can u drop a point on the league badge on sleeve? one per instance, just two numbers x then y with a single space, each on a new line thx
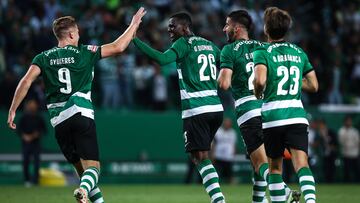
92 48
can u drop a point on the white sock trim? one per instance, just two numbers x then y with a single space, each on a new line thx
87 177
210 176
216 195
307 187
212 186
206 168
309 196
94 192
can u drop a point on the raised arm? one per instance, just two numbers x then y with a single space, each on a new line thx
310 82
121 43
162 58
260 80
21 91
224 79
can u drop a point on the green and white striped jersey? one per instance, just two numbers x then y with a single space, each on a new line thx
238 56
286 64
68 73
196 66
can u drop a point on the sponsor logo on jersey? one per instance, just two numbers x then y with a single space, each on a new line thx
92 48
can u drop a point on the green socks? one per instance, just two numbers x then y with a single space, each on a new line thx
210 181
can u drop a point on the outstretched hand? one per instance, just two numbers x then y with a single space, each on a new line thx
136 19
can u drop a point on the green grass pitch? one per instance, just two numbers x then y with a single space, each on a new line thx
165 194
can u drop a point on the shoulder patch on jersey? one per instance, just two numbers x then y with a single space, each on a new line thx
92 48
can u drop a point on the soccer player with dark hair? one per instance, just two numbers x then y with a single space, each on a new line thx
68 71
237 72
282 70
202 111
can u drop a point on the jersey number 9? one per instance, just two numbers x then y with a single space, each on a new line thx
64 77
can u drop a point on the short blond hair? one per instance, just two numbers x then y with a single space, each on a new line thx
62 25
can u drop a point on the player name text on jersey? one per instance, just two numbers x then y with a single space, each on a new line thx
61 61
286 57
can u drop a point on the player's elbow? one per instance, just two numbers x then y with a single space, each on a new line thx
315 87
26 82
121 48
259 82
223 84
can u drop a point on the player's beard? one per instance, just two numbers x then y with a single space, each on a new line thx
230 36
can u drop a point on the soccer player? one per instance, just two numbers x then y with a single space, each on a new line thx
282 70
202 111
237 71
68 71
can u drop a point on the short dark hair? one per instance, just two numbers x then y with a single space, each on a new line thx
277 22
184 18
242 17
62 24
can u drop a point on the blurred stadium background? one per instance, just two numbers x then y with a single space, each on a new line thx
138 117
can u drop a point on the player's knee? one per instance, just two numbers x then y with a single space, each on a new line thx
199 156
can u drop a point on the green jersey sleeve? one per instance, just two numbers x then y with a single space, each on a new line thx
307 65
260 56
180 47
93 52
217 52
226 59
38 60
167 57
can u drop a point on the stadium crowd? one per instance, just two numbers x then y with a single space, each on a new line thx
329 31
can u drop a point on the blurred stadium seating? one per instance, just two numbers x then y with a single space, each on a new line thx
138 143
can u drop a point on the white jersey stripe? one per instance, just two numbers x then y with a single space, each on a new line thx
83 95
55 105
281 104
86 96
179 74
248 115
202 109
244 99
67 113
188 95
285 122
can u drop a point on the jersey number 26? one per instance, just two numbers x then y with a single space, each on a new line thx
207 61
